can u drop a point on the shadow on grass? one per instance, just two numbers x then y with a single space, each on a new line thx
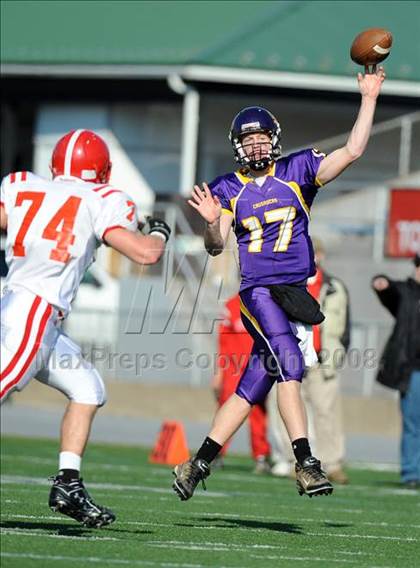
230 467
337 525
64 529
390 483
224 522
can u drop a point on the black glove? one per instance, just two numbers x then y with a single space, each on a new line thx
155 225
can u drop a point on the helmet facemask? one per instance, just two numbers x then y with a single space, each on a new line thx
254 120
258 158
105 174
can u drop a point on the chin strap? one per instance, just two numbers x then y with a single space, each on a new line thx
260 164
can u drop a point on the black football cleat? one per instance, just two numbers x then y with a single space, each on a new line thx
73 500
310 479
187 477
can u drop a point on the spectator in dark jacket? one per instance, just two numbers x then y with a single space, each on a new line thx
400 363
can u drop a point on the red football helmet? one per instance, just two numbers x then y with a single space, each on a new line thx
83 154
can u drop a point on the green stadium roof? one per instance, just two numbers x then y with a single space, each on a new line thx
280 42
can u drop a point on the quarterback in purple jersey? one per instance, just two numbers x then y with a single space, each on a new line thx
267 203
271 214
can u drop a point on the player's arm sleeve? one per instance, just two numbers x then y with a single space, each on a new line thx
302 174
217 187
117 211
312 159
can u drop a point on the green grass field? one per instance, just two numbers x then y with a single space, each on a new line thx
242 520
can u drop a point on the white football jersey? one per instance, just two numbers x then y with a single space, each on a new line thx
54 228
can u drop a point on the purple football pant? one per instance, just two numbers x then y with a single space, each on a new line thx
276 355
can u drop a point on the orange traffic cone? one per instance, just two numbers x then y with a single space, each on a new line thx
171 445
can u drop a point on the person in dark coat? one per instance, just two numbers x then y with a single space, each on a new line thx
399 367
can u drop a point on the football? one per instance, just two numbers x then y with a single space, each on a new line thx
371 46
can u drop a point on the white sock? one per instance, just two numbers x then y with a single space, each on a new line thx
69 460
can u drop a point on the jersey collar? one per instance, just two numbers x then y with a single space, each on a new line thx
244 178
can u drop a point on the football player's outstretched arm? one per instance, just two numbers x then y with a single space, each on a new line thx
216 234
336 162
142 249
217 225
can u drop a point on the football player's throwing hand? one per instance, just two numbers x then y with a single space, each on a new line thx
370 83
206 204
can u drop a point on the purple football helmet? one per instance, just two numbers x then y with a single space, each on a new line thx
252 120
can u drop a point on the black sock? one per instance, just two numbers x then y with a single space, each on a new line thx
301 449
68 475
208 450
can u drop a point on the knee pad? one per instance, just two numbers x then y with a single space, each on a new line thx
82 384
73 375
91 390
255 391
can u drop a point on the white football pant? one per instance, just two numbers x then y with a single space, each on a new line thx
33 346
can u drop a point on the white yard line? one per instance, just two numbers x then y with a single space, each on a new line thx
129 562
193 547
37 517
54 462
346 510
301 559
388 467
385 524
366 536
97 560
382 490
223 547
358 553
220 544
23 532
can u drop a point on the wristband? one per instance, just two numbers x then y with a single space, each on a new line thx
159 234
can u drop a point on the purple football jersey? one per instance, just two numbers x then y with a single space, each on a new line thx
271 221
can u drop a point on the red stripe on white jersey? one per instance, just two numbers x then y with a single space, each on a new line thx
110 192
23 176
38 340
25 339
101 187
12 178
